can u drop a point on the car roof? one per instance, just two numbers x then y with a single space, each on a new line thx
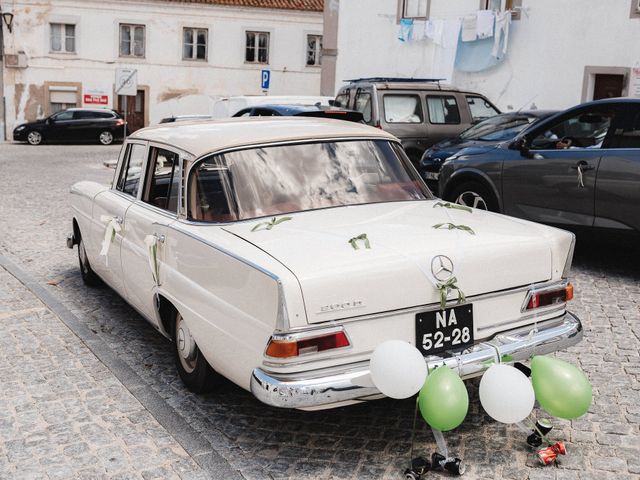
85 109
202 137
399 85
292 109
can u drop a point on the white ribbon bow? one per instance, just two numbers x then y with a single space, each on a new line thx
110 231
151 241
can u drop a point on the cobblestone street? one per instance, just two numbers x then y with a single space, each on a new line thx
89 390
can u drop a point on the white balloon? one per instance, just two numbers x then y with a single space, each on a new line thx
506 394
398 369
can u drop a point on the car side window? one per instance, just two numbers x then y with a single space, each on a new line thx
363 105
67 115
628 134
401 108
480 108
342 100
585 129
81 115
131 170
443 110
207 200
164 179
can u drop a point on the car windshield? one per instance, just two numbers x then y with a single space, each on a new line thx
272 180
498 128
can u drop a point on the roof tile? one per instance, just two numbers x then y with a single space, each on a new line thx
305 5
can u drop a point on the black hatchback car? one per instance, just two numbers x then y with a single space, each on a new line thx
578 168
73 125
301 111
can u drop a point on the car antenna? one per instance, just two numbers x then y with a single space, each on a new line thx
525 103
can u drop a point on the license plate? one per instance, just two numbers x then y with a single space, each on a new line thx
442 330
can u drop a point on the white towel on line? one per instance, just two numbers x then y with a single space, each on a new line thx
484 23
469 28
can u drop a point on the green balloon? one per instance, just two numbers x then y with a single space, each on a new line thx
561 388
443 399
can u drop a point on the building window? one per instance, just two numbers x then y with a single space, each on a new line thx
194 44
635 9
416 9
314 50
131 40
257 47
62 97
63 38
501 5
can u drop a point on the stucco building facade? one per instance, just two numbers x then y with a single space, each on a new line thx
559 53
64 53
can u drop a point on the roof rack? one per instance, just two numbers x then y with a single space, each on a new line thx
395 79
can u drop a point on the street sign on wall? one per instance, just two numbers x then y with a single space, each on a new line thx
126 81
266 79
91 99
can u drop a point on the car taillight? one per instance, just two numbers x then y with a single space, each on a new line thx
283 347
546 297
119 122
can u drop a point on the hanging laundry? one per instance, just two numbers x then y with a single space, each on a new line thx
501 37
434 30
419 30
484 23
445 54
406 29
469 28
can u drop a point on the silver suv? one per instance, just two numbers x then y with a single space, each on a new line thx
419 111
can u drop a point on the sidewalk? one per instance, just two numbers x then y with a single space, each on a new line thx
63 414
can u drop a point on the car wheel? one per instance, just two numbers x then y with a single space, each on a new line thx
89 277
106 137
34 138
193 368
475 195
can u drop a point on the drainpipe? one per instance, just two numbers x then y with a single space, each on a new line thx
329 47
3 111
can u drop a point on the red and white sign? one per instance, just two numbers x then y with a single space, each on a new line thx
91 99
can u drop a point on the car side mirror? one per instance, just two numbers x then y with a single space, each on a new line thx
48 121
522 145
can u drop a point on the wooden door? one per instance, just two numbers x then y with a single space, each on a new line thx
608 86
135 110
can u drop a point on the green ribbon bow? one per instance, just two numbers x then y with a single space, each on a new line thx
270 224
455 206
451 226
445 288
354 241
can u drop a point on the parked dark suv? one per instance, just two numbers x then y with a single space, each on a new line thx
420 112
578 168
73 125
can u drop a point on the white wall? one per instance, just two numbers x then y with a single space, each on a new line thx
548 48
168 77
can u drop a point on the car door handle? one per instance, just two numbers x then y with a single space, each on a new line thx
583 166
159 237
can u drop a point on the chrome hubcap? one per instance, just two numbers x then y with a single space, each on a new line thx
34 137
187 350
472 199
106 138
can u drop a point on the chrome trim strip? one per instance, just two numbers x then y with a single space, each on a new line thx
282 317
430 306
352 382
175 226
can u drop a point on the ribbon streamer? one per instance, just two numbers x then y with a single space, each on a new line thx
451 226
110 231
151 241
354 241
454 206
269 225
445 288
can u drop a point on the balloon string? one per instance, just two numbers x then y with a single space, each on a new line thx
442 445
413 433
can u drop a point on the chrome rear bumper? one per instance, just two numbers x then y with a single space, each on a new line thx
351 383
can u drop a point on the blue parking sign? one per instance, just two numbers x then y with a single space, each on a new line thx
266 79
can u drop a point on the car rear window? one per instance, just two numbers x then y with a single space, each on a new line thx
443 109
480 108
271 180
399 108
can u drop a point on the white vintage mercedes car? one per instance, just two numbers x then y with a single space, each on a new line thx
279 252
